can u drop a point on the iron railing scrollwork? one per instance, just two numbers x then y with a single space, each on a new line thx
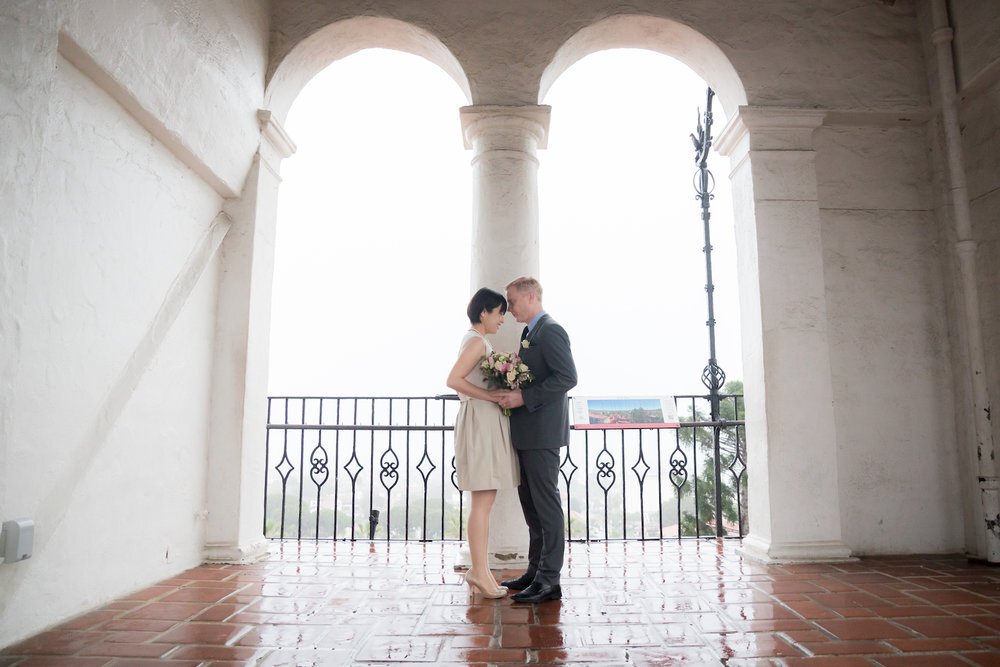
350 468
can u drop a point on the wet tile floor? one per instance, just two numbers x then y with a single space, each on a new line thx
634 603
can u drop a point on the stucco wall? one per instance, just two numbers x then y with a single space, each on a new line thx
981 146
829 53
977 58
109 313
977 40
889 347
981 149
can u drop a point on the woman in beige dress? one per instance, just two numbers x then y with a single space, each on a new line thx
484 458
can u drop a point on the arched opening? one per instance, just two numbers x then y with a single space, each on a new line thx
363 198
661 35
372 246
371 256
641 152
341 39
792 456
617 200
237 521
617 197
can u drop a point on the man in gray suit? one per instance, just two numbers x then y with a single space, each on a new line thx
539 427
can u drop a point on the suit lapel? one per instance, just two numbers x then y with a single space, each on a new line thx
529 352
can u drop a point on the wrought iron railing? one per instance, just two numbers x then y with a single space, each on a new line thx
360 468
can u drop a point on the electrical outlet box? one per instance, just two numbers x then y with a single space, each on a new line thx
18 540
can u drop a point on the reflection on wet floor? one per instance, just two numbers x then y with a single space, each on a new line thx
624 603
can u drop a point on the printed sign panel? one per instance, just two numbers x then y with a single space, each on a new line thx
623 412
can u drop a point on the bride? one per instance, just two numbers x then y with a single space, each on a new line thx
484 458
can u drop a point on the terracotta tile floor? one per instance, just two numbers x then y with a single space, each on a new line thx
631 603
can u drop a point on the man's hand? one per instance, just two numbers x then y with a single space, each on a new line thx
511 399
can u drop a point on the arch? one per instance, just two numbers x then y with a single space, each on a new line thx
341 39
655 34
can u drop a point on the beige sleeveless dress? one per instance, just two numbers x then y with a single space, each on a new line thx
484 457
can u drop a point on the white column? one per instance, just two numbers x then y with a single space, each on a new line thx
236 467
504 141
792 445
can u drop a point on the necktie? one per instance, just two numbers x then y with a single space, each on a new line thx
524 334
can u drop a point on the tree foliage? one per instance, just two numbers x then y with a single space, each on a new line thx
733 477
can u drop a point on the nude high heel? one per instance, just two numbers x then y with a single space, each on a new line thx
475 585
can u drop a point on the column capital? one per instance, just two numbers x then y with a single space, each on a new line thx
498 119
769 128
274 134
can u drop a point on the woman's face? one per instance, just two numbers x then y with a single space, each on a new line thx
491 319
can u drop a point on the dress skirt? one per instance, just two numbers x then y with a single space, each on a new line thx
484 457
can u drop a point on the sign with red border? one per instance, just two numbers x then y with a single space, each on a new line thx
599 412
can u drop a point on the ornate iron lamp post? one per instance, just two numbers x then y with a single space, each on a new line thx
713 377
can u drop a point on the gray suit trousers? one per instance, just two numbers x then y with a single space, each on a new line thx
539 495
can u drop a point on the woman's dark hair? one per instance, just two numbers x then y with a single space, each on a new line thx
485 299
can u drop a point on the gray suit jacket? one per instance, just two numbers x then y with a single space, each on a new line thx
543 421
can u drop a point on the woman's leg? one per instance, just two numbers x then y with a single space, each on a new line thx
479 535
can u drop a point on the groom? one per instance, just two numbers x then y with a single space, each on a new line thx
539 427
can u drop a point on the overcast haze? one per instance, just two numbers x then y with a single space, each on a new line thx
372 258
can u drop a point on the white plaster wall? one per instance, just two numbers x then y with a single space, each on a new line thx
109 309
981 144
977 61
890 356
196 65
977 41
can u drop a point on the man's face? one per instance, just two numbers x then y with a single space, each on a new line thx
518 305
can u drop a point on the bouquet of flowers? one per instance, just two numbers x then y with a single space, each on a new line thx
505 370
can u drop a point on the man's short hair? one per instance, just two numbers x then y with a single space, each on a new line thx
526 284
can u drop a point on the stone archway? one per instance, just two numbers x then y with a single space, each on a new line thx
341 39
234 526
795 504
661 35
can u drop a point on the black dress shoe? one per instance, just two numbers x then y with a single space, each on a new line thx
520 583
535 593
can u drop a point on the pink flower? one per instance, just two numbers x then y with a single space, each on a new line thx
505 371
